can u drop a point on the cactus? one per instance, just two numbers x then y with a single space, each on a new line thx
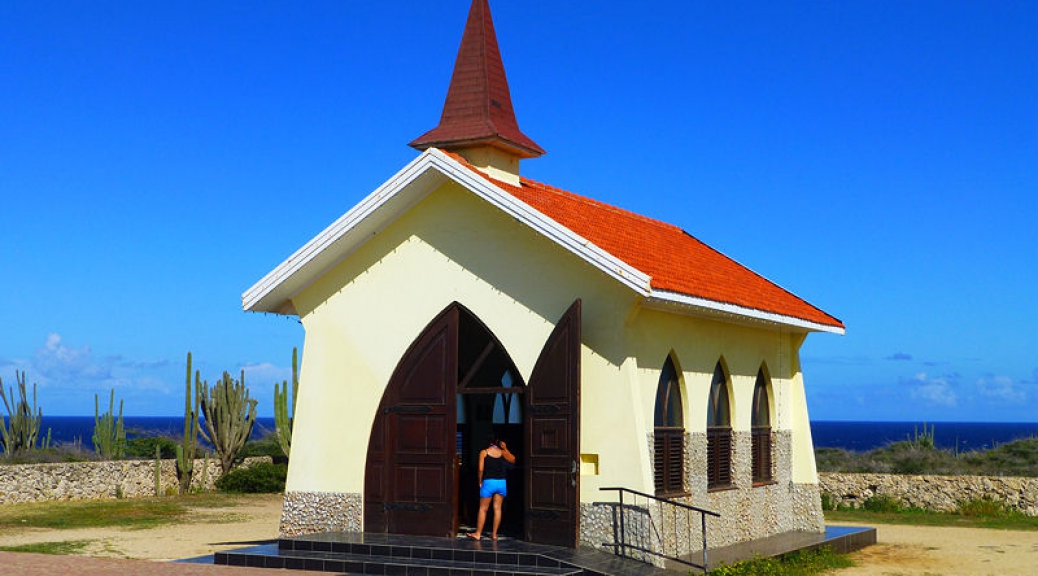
109 434
189 443
22 429
158 470
229 417
283 415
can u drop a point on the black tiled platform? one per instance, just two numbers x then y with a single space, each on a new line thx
391 555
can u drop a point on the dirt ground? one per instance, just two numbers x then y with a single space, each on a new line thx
902 550
938 551
208 530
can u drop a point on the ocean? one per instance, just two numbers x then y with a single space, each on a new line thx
864 436
69 429
858 436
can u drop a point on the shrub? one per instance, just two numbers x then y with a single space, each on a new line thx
915 456
827 501
987 507
144 447
262 477
265 446
882 503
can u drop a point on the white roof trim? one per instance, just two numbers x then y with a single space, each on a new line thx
274 291
667 299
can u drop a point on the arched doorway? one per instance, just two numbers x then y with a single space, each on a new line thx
455 385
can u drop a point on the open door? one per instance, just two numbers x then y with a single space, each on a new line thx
409 484
552 447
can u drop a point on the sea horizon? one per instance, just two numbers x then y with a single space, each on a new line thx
856 435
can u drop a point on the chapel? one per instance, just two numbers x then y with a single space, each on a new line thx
461 299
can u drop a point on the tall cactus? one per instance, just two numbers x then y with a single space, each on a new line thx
283 415
189 443
23 421
109 433
229 417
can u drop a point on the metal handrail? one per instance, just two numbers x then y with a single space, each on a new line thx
622 545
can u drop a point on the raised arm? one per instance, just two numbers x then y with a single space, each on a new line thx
508 456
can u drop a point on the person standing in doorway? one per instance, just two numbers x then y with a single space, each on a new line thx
492 484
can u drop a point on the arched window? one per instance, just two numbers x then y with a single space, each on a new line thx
719 433
669 432
761 431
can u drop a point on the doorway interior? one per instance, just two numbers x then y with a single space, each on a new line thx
489 404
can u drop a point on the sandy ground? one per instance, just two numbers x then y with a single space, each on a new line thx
933 551
208 530
902 550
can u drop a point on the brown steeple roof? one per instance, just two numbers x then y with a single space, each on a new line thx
478 110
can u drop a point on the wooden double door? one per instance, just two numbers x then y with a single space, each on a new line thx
411 482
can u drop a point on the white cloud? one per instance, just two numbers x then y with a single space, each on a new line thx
932 390
266 374
56 362
1001 388
59 365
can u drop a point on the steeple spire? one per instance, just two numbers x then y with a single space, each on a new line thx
478 120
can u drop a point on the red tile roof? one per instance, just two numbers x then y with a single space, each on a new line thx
478 110
674 259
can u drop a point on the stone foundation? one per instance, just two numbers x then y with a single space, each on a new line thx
748 512
313 512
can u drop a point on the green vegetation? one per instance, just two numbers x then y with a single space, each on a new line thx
803 563
978 513
283 415
265 446
63 548
134 513
109 434
261 477
22 430
229 417
919 455
141 447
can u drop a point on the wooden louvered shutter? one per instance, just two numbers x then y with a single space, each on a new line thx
762 454
669 462
719 457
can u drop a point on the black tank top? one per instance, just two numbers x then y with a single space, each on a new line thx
493 467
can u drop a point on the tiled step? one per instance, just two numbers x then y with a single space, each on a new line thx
338 562
394 554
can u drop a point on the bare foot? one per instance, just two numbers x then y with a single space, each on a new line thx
473 535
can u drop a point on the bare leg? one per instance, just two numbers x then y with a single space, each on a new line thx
498 500
481 518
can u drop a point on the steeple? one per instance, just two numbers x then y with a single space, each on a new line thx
478 121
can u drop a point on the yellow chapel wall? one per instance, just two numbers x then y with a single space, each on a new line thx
362 315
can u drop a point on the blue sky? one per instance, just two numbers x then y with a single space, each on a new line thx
879 159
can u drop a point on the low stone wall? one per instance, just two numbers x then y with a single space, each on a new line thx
100 480
930 492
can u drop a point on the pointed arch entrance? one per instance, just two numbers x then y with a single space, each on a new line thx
455 385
